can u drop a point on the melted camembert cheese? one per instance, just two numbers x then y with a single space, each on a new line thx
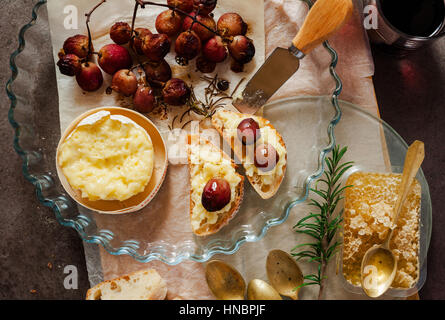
107 157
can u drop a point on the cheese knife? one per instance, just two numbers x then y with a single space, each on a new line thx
324 18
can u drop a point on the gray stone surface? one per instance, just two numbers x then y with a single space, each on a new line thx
34 248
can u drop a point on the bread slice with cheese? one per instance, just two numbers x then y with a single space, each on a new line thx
266 184
207 162
140 285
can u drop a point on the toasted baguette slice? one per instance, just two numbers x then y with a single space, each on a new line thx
140 285
265 184
206 162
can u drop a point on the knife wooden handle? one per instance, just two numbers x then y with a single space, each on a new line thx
413 160
324 18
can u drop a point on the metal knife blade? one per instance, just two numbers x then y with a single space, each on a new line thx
275 71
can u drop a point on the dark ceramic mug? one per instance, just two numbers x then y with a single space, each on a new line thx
387 33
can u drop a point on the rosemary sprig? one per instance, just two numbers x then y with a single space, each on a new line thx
323 226
215 97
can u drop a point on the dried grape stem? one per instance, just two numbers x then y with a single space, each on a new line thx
133 22
88 15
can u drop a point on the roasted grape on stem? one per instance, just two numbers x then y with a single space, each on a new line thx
205 6
188 45
156 46
231 24
203 33
176 92
90 77
113 57
157 72
139 34
169 22
144 99
215 50
69 64
124 82
242 49
77 45
184 5
120 33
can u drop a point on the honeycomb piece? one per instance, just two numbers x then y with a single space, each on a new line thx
367 221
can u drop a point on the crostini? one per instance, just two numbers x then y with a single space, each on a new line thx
259 147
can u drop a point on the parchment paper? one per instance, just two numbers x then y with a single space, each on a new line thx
282 19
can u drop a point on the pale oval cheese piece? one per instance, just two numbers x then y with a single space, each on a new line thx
107 157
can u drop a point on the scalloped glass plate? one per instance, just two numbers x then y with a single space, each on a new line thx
306 124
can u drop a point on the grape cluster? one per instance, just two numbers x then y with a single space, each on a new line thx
199 35
188 25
